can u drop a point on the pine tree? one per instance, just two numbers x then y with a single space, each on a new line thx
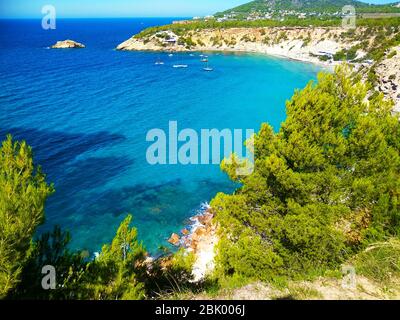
114 274
325 185
23 192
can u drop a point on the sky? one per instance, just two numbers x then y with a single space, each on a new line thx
121 8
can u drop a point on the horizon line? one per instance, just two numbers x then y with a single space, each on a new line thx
70 18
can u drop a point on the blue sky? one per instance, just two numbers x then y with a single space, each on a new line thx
120 8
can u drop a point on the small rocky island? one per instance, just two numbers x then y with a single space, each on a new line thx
68 44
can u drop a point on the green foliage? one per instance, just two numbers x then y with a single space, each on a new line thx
323 58
346 55
182 264
325 185
188 42
52 249
119 272
315 6
23 192
114 274
380 261
170 276
392 54
383 43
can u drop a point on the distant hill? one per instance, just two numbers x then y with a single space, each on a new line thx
307 6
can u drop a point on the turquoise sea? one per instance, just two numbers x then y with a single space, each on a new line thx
87 112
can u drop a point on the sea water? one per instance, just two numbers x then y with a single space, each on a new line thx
86 114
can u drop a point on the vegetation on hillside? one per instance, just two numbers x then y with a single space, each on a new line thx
324 187
316 6
181 29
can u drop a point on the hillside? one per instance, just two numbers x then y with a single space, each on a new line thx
319 7
372 48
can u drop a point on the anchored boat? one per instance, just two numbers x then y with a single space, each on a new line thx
208 68
180 66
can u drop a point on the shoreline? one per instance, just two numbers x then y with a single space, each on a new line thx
315 45
304 59
293 43
200 238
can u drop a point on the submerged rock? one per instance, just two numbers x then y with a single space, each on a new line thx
175 239
68 44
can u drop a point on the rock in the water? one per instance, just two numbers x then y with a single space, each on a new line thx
175 239
68 44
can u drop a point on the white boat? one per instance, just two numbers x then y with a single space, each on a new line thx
180 66
170 55
159 62
208 68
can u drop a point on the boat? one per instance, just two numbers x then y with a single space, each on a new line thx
159 62
180 66
170 55
208 68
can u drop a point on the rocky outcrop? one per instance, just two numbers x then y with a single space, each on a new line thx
203 241
185 232
68 44
388 72
174 239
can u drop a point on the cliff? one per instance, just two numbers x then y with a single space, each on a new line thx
325 46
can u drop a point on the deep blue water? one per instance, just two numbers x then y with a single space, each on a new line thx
86 114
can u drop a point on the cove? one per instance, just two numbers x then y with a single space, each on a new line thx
86 114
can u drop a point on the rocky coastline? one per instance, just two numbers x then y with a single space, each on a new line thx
315 45
200 238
